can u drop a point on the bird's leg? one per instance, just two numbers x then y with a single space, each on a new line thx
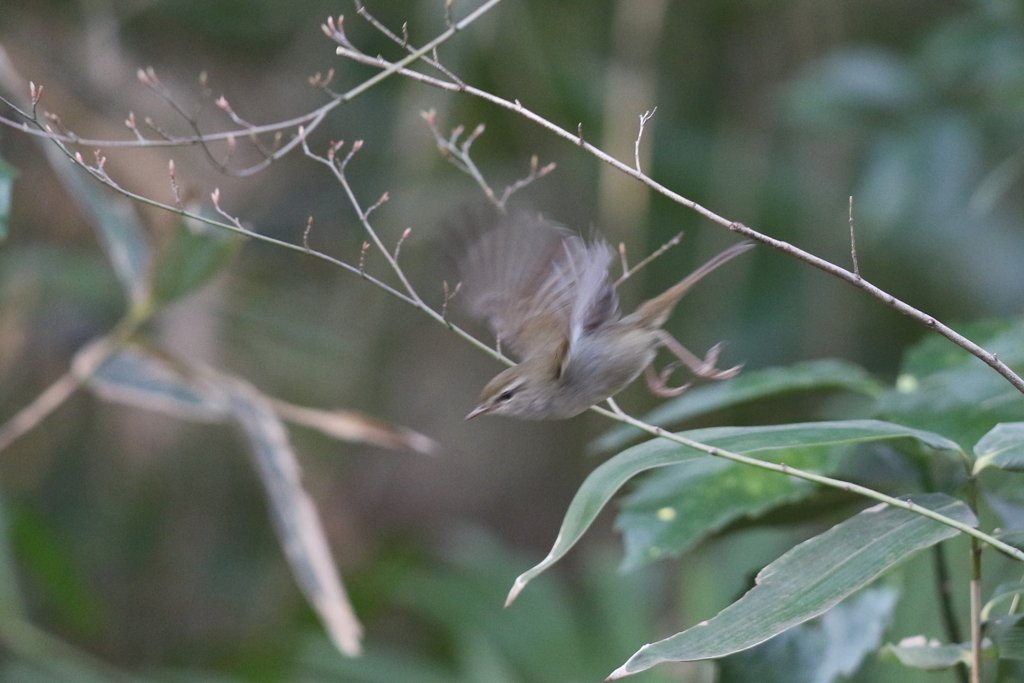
658 383
702 368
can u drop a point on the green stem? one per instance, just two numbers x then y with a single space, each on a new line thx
943 586
817 479
972 501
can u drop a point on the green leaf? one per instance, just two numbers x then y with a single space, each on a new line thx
1002 447
7 175
11 604
1008 635
808 580
1003 594
190 258
929 655
121 234
945 389
672 509
819 650
816 375
603 482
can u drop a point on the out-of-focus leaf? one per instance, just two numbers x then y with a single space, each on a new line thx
351 425
920 653
1008 635
943 388
294 514
192 256
819 650
1014 537
48 566
1002 447
122 236
808 580
1002 595
849 84
11 605
7 175
816 375
32 655
554 632
145 377
603 482
318 662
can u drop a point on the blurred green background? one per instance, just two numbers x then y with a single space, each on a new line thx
145 541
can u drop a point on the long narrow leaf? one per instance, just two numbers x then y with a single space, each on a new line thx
294 514
120 232
601 485
808 580
818 651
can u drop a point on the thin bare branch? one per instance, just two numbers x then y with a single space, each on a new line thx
628 273
779 245
853 242
644 118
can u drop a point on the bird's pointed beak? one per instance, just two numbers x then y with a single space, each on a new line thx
479 410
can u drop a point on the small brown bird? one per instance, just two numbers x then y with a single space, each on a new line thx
546 294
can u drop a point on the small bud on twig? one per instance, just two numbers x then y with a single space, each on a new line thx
305 233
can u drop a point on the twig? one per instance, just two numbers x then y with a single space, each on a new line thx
644 118
626 274
362 258
305 234
339 173
401 240
458 154
174 184
853 242
448 296
34 413
779 245
402 42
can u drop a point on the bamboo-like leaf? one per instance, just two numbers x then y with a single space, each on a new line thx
818 651
351 425
808 580
1002 447
121 234
603 482
294 514
815 375
918 652
142 376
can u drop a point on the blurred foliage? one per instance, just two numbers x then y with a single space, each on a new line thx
146 543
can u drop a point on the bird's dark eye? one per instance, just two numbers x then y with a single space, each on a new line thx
506 395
